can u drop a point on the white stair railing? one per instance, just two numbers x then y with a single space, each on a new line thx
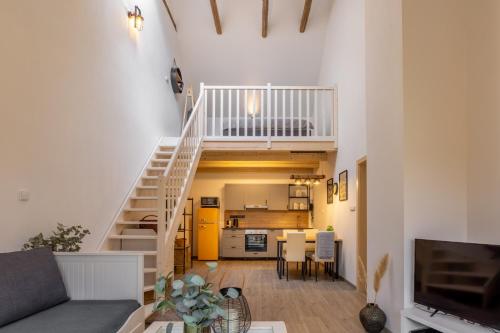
270 113
174 183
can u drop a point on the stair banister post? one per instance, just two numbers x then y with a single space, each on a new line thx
203 114
161 226
268 115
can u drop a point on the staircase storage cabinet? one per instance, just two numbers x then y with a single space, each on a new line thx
233 243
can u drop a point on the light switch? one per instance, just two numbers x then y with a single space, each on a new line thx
352 209
23 195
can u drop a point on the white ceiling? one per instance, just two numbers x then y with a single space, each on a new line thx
240 55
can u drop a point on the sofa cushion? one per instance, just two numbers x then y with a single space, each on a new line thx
77 317
30 281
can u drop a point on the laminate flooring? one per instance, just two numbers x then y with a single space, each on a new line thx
305 306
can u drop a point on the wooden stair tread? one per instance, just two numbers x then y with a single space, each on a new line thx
133 236
149 288
137 222
150 270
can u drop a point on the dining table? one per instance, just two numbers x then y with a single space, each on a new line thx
311 239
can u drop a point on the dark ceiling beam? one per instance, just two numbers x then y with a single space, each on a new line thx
265 17
215 14
305 15
170 14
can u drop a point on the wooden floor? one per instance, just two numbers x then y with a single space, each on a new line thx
305 306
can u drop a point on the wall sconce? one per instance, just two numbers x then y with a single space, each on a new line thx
136 19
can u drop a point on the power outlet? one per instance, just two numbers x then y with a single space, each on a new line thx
23 195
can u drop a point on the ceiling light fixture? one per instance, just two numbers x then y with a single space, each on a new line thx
307 179
136 19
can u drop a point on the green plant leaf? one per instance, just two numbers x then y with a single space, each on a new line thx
176 293
232 293
212 266
190 320
189 302
197 281
177 284
160 285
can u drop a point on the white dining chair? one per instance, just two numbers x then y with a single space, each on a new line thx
295 250
324 251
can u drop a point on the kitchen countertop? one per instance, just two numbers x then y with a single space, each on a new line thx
263 228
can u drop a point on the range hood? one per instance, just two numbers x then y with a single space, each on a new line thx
261 207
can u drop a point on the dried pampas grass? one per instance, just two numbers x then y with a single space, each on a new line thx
379 274
362 279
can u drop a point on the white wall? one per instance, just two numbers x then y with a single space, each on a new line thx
435 102
484 120
84 101
343 63
384 107
240 55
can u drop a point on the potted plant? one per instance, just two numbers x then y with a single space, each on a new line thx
371 316
64 239
193 300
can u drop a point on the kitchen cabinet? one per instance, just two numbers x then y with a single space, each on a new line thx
234 197
233 243
272 242
277 197
239 195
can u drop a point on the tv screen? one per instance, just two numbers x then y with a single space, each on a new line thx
460 279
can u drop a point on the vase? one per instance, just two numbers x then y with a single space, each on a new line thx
196 329
372 318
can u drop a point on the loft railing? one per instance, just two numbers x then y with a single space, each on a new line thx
174 183
270 113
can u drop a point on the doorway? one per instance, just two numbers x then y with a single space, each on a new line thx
362 237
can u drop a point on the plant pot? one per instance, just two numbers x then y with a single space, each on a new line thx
196 329
372 318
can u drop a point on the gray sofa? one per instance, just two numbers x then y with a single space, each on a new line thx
33 298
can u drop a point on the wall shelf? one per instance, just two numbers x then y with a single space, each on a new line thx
298 195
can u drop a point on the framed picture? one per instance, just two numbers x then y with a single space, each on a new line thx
343 194
329 191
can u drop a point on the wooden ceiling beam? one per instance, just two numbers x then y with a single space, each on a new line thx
265 17
215 14
170 14
305 15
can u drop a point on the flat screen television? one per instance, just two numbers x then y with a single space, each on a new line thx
461 279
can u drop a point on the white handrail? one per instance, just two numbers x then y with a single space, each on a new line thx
172 183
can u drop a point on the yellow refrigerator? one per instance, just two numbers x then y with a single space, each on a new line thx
208 234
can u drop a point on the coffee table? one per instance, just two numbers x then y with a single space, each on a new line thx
257 327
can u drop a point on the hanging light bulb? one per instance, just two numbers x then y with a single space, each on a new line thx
316 182
308 182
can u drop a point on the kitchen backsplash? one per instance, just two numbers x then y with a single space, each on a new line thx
270 219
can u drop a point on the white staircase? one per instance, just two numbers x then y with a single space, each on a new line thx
159 194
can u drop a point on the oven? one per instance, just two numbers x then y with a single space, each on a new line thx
255 240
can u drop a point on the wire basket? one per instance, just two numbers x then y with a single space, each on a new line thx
238 317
